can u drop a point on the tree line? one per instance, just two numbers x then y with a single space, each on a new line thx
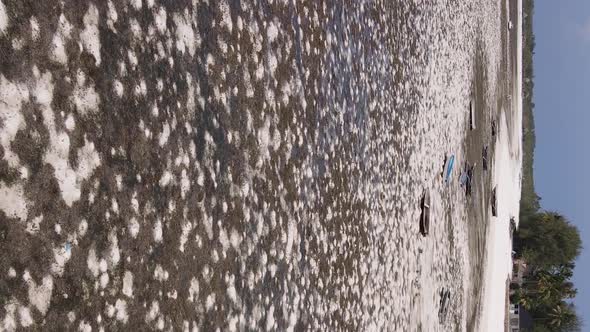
549 244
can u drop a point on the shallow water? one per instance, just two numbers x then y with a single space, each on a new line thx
239 165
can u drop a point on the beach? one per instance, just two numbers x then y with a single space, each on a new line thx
256 165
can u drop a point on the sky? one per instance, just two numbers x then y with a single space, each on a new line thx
562 122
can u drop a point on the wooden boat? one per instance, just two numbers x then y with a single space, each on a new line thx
425 213
494 203
494 128
444 304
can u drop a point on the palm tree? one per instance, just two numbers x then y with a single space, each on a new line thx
524 298
560 315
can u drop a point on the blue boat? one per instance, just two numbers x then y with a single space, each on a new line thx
449 168
463 178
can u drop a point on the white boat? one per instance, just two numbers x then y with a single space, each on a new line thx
472 115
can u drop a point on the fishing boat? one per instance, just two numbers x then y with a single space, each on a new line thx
449 168
472 114
425 213
484 156
494 203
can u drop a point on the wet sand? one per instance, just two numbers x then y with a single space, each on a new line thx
505 106
488 111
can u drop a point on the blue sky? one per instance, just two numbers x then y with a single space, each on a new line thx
562 120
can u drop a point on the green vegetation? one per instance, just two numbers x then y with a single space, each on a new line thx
547 241
529 203
549 244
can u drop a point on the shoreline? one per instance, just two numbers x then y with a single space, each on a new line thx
507 175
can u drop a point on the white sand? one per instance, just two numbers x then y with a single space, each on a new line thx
507 177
